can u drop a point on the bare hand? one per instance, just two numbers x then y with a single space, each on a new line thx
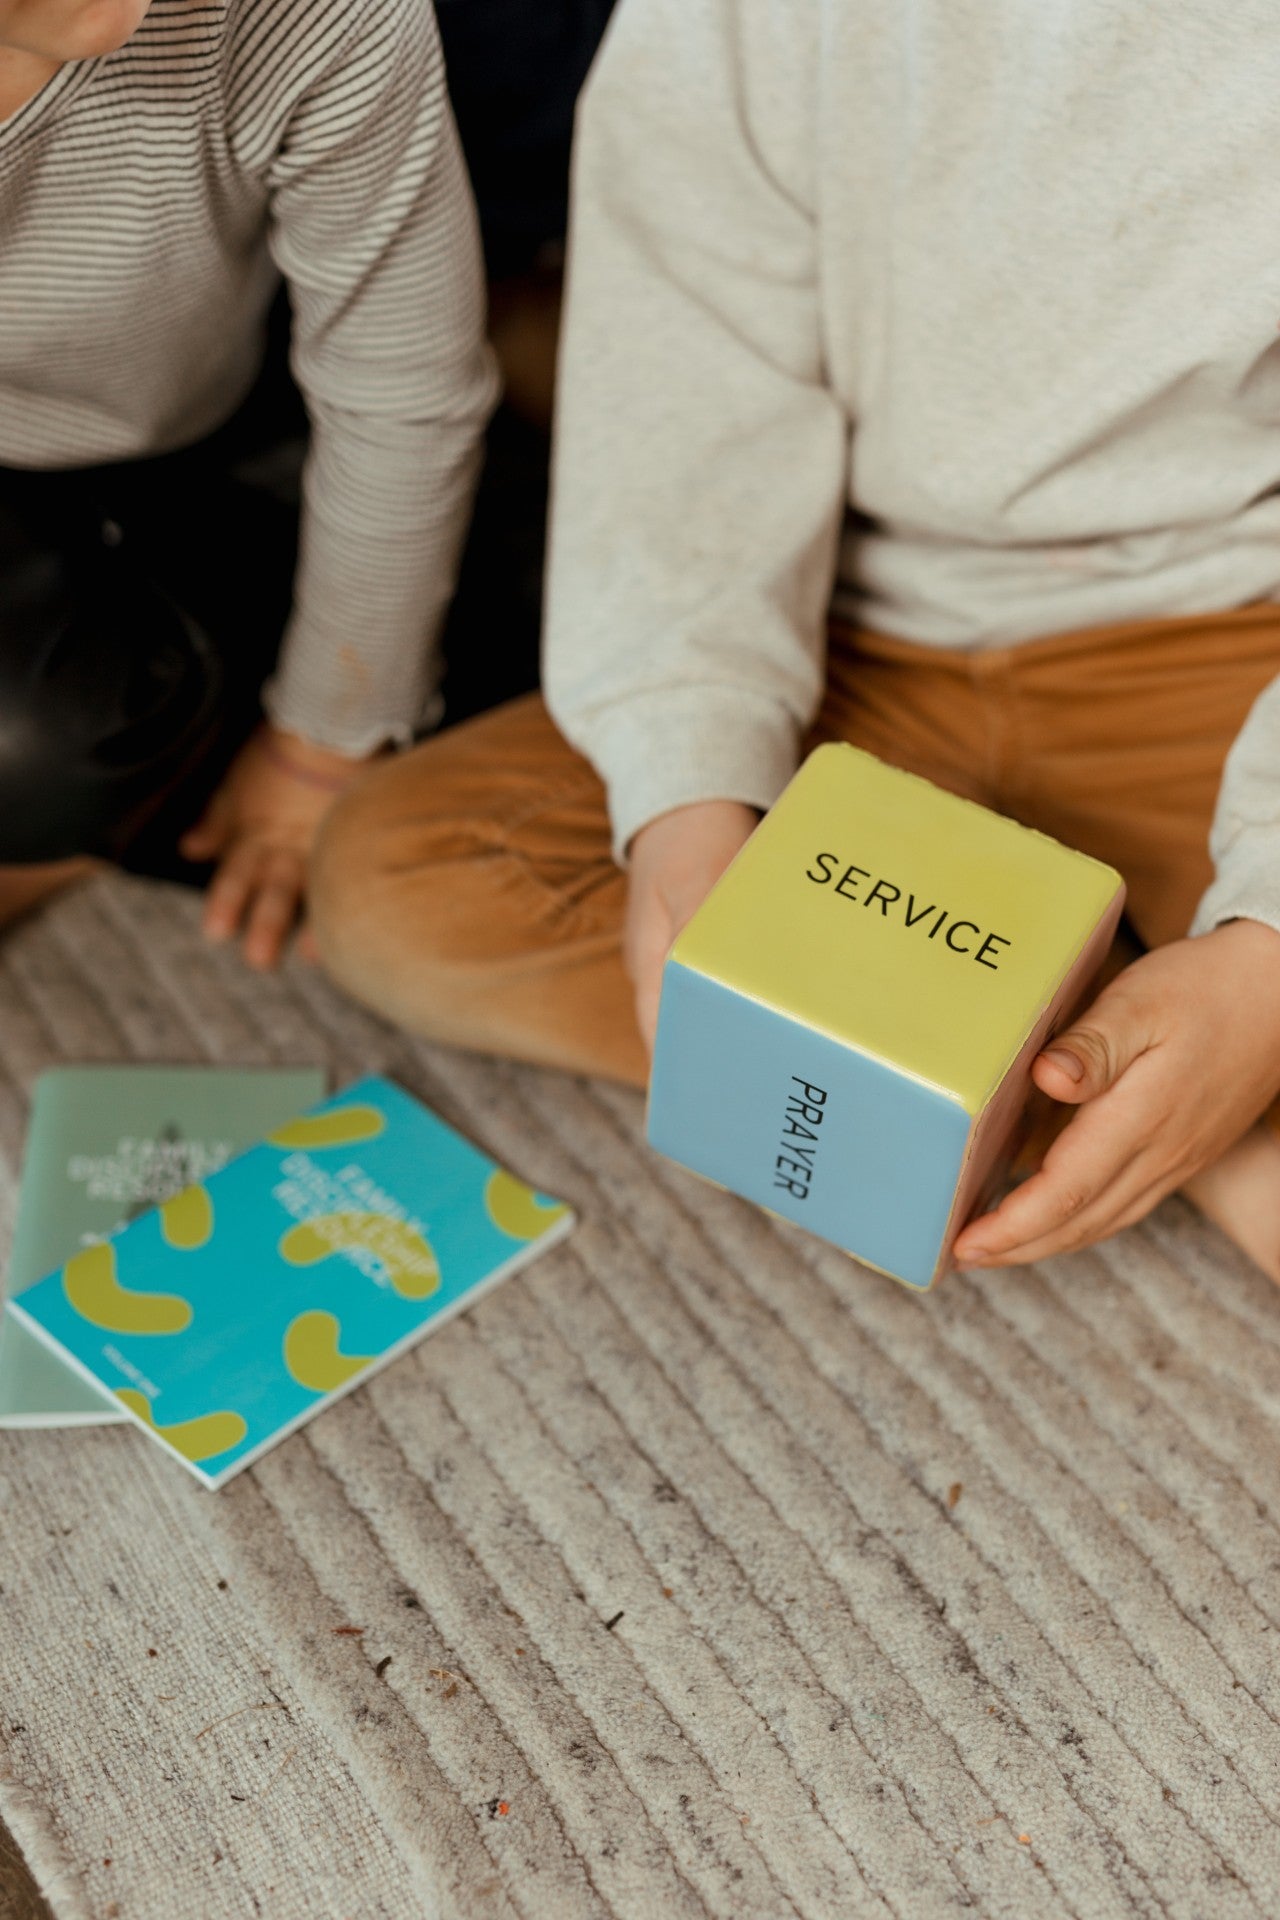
259 828
1170 1067
675 862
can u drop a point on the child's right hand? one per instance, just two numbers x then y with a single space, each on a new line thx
675 862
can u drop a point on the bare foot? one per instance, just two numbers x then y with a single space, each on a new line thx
1241 1194
22 888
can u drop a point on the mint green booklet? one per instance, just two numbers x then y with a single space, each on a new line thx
103 1145
224 1318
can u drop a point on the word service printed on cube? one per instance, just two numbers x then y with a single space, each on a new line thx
848 1024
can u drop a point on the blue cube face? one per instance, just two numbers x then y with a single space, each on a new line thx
802 1124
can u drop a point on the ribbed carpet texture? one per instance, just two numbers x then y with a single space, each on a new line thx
696 1572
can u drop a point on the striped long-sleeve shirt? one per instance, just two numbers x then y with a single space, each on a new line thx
149 203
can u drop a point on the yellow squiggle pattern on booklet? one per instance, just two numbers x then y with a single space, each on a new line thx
199 1439
186 1221
313 1355
410 1264
342 1127
91 1285
516 1208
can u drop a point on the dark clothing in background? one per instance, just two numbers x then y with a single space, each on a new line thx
214 527
515 69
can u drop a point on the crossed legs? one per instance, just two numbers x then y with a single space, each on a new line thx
467 889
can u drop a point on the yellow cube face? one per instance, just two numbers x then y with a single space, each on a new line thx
889 938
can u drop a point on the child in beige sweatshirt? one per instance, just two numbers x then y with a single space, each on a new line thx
920 387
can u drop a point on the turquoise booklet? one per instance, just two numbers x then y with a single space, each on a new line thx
229 1315
103 1145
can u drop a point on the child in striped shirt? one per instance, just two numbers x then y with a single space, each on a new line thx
164 166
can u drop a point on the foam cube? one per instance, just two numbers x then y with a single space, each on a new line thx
847 1025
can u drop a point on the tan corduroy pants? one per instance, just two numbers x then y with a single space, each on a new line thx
466 888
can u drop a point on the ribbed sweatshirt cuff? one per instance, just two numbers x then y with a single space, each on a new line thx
657 751
1248 882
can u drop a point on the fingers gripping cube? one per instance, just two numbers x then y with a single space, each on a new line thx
848 1024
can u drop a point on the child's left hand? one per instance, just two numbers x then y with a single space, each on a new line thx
1170 1067
259 828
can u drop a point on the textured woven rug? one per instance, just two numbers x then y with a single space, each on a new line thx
696 1572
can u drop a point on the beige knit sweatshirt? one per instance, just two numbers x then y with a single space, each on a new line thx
962 313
